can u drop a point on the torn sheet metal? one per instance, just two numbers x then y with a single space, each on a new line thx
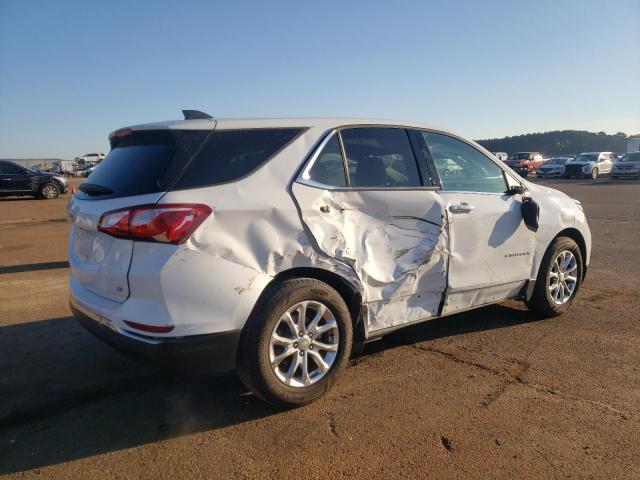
395 241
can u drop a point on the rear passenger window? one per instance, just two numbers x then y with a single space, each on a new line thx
328 168
463 168
380 157
231 154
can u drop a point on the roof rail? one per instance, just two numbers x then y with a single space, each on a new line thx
195 115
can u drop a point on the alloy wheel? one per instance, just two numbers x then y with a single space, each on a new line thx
304 344
563 277
49 191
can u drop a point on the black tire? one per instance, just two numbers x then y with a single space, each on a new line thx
45 190
254 368
541 301
594 173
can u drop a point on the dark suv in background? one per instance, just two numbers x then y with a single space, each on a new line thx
17 180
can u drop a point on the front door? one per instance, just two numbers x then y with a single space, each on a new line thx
379 219
491 247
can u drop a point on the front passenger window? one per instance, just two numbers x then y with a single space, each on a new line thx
462 167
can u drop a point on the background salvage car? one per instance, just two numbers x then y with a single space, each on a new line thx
589 164
356 233
16 180
554 167
525 163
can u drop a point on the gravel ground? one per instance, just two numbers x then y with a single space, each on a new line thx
494 393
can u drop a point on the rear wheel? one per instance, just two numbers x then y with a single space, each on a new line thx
49 191
559 278
296 343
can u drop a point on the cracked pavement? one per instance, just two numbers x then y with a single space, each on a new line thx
493 393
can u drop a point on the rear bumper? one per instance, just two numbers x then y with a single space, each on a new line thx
210 353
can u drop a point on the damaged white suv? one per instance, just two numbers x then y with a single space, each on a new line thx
271 247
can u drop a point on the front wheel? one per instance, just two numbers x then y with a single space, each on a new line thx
296 343
559 278
594 173
49 191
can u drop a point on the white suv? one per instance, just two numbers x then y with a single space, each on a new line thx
589 164
273 246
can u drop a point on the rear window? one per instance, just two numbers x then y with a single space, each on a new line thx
156 161
519 156
232 154
141 163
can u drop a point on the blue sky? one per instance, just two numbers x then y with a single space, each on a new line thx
71 72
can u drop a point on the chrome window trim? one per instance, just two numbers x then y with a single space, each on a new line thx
303 177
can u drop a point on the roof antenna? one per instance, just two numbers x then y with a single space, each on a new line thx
195 115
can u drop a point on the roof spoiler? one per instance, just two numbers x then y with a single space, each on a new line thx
195 115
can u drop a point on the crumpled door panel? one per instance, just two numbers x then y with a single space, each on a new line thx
395 241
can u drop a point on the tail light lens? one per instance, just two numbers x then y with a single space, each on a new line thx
171 223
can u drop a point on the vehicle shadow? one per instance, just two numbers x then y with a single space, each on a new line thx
67 396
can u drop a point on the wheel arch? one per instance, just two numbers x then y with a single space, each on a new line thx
349 292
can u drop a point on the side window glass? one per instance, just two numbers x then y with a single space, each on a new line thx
463 168
380 157
328 168
9 169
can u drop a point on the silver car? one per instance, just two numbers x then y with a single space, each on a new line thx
628 167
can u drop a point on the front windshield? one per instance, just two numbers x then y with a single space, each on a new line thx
631 157
587 157
557 161
519 156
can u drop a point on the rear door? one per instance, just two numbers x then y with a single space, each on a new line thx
491 247
140 167
381 217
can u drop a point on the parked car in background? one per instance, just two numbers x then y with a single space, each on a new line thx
525 163
553 167
16 180
502 156
448 167
633 144
628 167
90 158
589 164
270 246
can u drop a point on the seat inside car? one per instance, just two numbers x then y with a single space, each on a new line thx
370 172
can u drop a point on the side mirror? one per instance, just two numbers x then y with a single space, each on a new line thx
530 213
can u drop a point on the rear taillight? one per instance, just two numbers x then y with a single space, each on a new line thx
171 223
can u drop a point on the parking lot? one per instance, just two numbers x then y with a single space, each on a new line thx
492 393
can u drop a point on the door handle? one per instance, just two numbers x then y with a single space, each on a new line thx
327 209
462 207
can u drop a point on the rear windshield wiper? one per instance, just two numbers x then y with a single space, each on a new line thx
93 189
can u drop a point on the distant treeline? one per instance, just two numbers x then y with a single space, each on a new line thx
561 142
